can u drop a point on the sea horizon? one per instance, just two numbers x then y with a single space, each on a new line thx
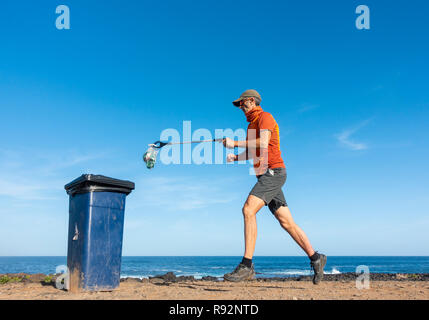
224 256
217 266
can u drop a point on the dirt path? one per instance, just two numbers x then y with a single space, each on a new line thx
252 290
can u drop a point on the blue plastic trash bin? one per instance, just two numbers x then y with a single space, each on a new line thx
96 223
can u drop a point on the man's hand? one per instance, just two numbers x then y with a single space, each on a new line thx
262 164
230 157
228 143
261 168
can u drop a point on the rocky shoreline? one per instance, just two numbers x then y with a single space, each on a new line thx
170 277
172 287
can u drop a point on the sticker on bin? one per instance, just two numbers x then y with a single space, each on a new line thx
76 232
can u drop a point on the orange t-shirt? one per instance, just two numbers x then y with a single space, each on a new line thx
259 121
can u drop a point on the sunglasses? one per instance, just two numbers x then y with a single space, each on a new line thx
242 101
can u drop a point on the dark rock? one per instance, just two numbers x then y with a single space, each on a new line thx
209 278
185 278
171 277
156 280
130 279
168 277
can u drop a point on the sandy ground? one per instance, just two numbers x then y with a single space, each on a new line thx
208 290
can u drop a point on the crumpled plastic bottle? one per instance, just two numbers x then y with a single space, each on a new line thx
150 157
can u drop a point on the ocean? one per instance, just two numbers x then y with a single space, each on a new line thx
145 266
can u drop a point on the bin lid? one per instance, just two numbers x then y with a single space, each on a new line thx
98 183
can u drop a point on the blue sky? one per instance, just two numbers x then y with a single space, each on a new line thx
352 106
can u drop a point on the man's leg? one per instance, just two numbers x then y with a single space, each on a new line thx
251 207
244 270
284 216
318 261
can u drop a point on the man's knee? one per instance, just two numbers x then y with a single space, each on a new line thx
248 211
252 205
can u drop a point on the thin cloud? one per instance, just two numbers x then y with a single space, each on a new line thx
27 175
344 137
53 163
22 191
182 194
305 107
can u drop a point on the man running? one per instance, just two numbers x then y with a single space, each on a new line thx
263 146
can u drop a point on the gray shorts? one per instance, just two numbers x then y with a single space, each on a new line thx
269 188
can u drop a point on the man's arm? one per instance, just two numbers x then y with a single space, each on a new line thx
259 143
242 156
262 161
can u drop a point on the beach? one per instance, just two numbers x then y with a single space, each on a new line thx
170 287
